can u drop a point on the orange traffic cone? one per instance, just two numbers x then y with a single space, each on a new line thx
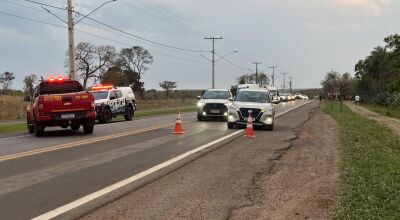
249 129
178 125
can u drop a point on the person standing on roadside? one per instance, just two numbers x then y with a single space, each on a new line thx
357 99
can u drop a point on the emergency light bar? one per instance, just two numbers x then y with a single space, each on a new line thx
102 87
57 79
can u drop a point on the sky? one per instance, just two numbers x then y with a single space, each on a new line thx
305 38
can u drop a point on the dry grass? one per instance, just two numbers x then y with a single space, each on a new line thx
12 107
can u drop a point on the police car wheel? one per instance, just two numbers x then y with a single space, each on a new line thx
231 125
200 118
129 114
106 118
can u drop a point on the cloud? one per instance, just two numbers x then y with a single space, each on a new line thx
377 7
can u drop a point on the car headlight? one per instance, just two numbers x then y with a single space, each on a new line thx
269 110
199 104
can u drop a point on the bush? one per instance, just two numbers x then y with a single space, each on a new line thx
385 99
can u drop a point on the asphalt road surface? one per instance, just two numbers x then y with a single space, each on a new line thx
38 175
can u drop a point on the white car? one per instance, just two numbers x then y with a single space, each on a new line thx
276 99
110 102
213 104
256 102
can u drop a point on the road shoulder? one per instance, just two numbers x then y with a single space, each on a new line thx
223 183
304 180
392 123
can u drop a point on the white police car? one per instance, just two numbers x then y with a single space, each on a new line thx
110 102
256 102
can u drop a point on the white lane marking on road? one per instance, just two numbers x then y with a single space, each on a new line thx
83 200
16 137
104 191
289 110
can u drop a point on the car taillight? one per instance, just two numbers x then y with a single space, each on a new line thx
41 108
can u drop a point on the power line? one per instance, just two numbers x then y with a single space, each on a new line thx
97 36
32 19
43 4
141 38
105 30
122 31
199 30
233 64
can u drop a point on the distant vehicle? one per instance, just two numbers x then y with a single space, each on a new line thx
213 104
256 102
60 102
299 96
292 97
283 97
110 102
275 94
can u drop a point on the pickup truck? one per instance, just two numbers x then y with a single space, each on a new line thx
60 102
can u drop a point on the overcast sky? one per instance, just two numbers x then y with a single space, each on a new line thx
305 38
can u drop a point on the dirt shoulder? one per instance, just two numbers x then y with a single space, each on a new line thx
289 173
303 182
392 123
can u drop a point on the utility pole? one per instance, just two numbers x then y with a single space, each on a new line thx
284 82
71 44
290 84
273 74
257 63
213 57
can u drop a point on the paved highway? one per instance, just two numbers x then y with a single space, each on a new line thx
38 175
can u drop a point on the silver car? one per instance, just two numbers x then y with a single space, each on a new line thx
213 104
254 102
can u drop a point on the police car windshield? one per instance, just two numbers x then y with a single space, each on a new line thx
100 95
216 95
252 96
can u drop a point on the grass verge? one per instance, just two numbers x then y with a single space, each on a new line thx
390 111
369 167
11 128
4 129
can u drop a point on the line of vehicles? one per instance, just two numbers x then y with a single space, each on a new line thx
251 100
65 103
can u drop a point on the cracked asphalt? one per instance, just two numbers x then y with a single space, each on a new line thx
227 183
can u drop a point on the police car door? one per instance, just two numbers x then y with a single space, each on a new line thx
113 102
120 101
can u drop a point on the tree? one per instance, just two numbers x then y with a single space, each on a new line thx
93 61
263 79
6 79
168 86
30 82
115 76
330 82
137 59
246 79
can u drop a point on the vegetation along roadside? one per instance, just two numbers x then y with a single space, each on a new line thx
369 167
